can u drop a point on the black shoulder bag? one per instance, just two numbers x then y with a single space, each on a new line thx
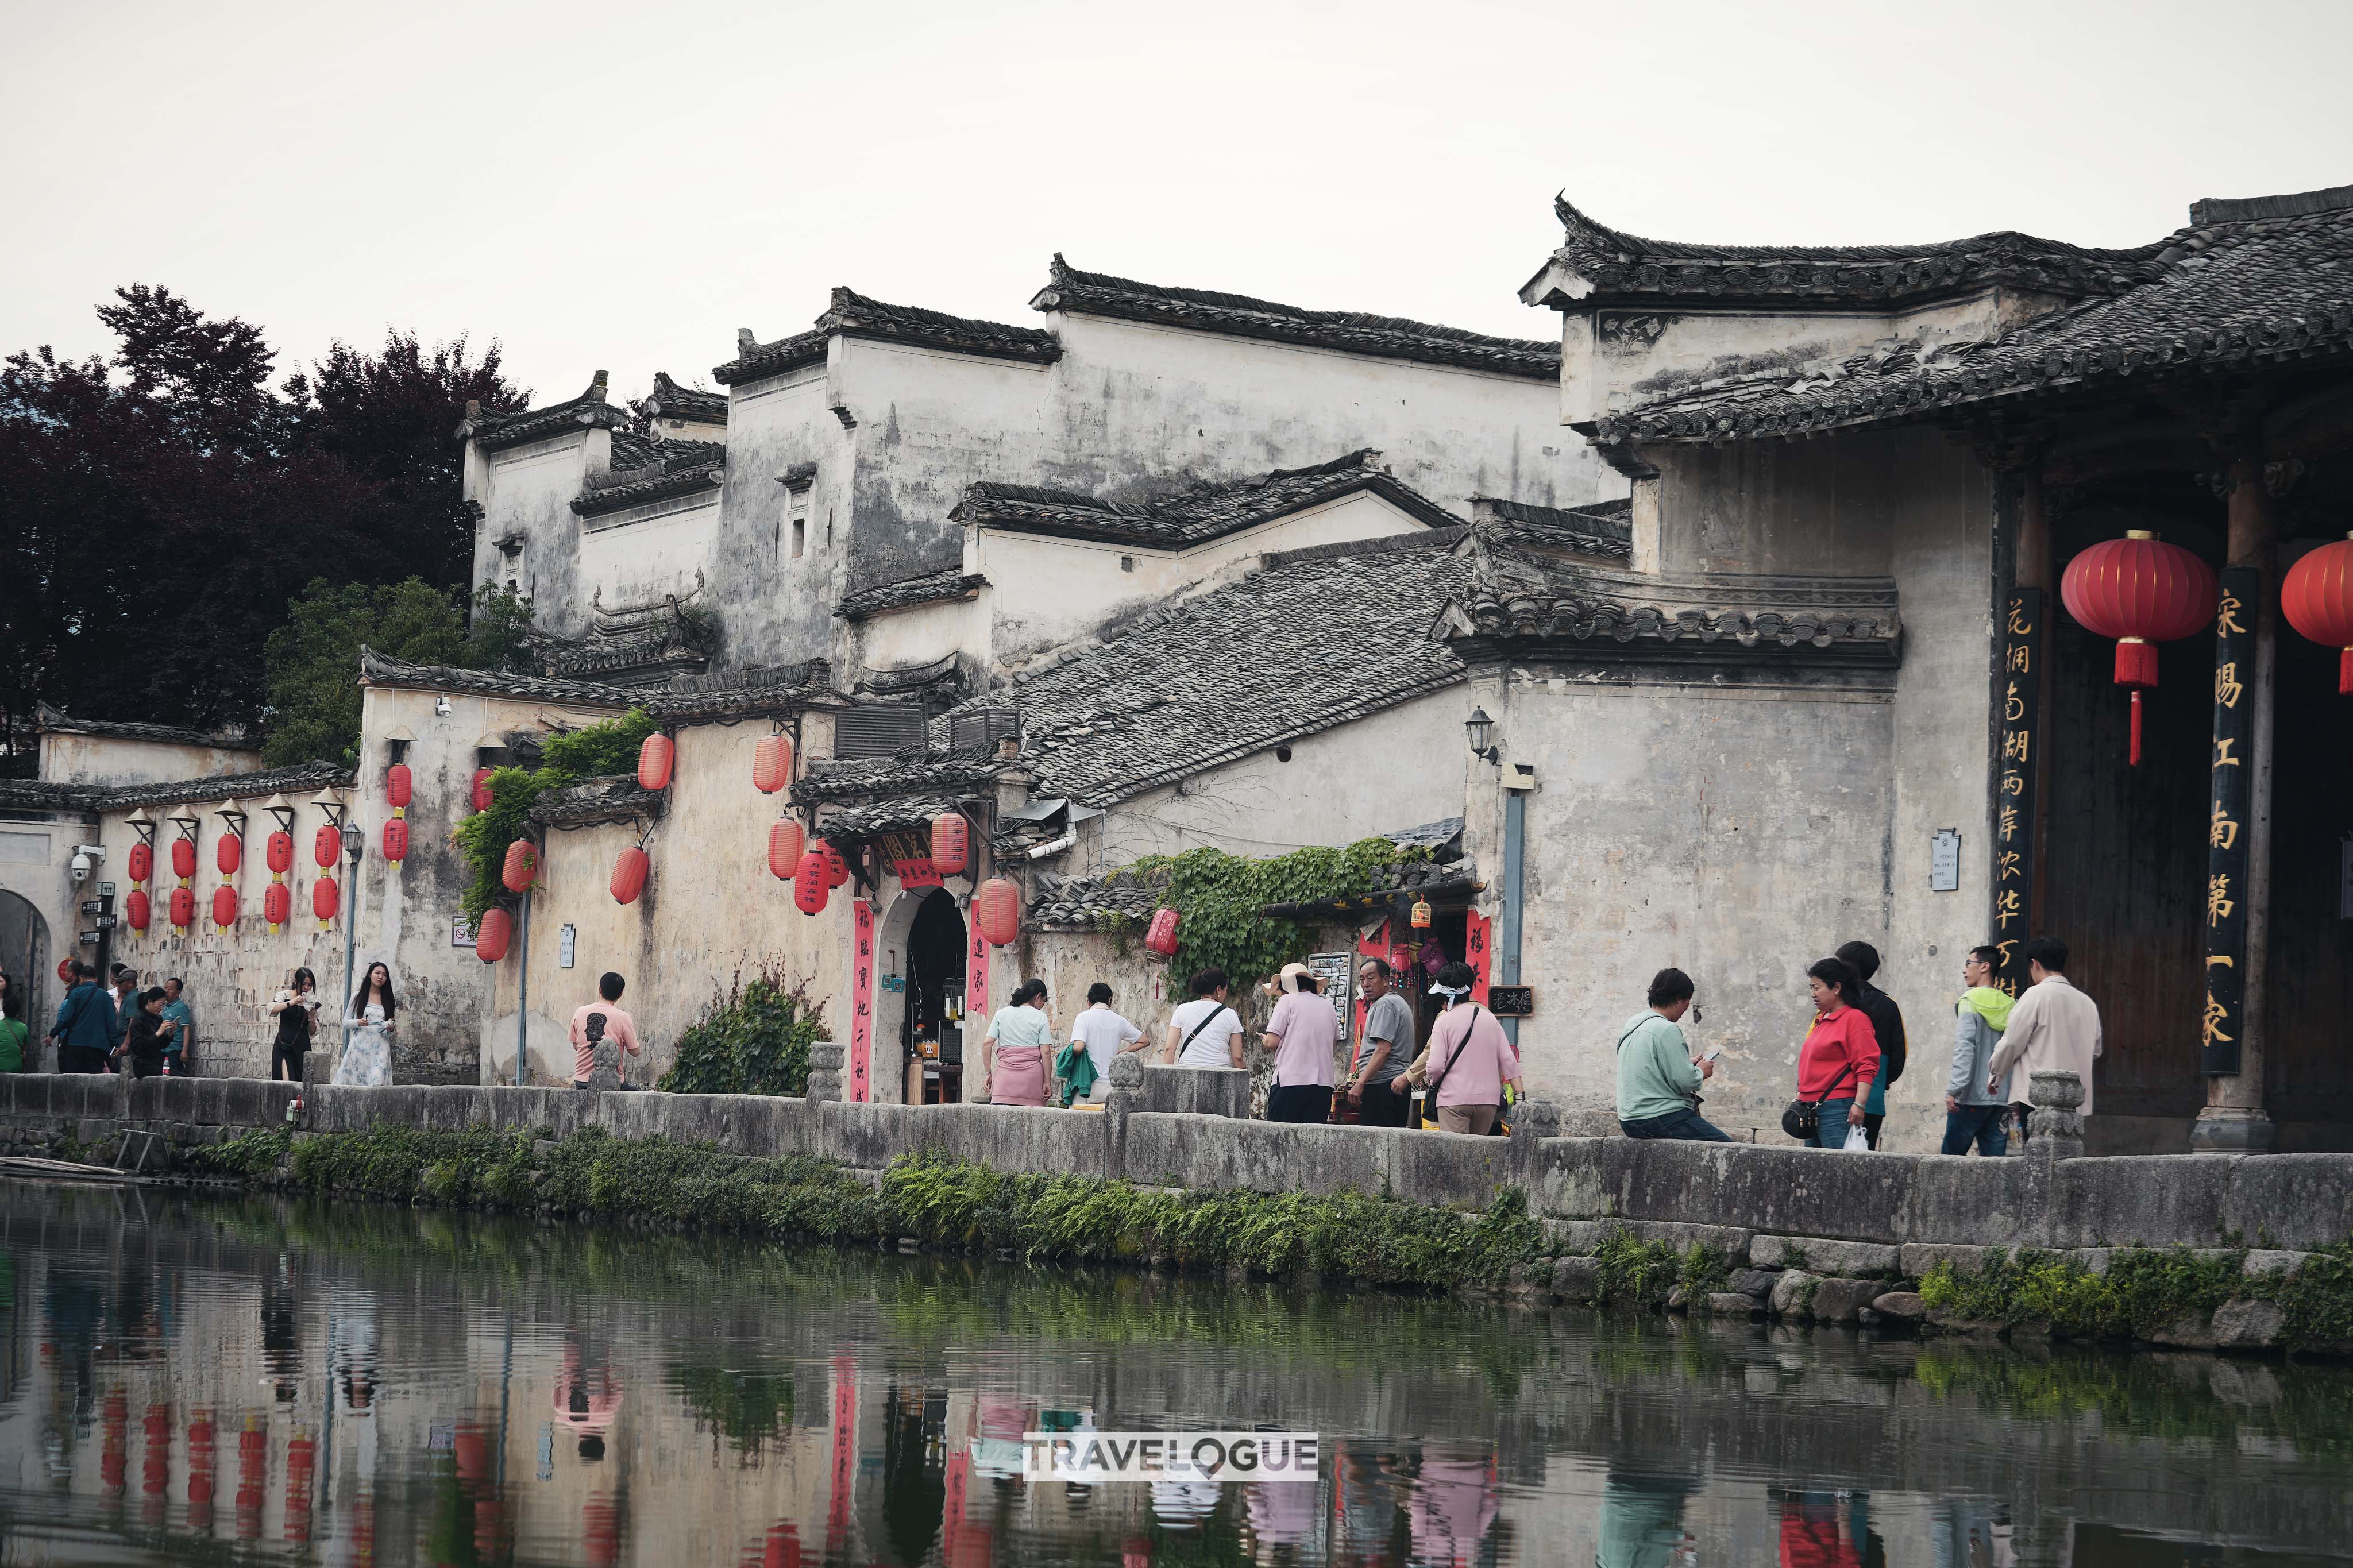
1204 1024
1804 1116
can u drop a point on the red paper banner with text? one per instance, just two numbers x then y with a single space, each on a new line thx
861 999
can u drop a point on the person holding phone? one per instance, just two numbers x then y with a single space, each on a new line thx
296 1009
1657 1081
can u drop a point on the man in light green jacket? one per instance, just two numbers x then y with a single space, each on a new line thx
1658 1082
1973 1112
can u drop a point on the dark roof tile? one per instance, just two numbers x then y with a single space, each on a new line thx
669 400
931 587
53 722
492 432
853 315
1206 512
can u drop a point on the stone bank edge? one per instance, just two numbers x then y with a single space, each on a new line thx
1790 1232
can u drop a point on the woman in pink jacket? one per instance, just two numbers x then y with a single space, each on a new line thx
1469 1059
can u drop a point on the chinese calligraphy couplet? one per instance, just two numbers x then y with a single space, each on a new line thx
862 1000
2013 801
2225 925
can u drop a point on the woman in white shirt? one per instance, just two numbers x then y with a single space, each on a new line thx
1205 1032
1018 1038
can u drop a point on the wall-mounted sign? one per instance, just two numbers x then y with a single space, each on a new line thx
567 942
1512 1001
1333 971
461 931
1945 861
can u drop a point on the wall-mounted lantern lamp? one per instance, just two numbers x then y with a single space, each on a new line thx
1482 730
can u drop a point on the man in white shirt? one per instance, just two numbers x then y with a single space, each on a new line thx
1206 1032
2054 1028
1106 1035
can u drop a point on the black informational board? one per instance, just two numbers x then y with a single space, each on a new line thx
1512 1001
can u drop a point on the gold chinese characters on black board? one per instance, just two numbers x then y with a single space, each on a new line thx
2013 801
2225 916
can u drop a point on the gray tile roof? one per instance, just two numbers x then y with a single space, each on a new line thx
855 777
493 431
1606 528
1238 315
1069 903
899 813
1616 263
1207 511
54 721
931 587
670 468
853 315
1293 649
302 778
614 797
669 400
2223 296
785 690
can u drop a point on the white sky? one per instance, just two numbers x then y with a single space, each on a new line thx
622 186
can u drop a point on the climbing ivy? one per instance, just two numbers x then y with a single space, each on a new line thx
1220 897
569 757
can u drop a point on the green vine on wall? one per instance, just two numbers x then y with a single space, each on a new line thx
569 758
1220 896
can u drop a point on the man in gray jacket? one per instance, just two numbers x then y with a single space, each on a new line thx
1973 1113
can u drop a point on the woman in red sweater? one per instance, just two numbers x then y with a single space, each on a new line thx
1840 1056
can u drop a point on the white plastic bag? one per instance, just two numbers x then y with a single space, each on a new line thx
1857 1141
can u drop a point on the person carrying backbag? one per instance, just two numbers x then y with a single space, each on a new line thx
88 1028
1469 1061
1841 1052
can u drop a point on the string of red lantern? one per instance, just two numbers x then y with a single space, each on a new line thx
772 764
656 758
492 937
997 911
629 874
2140 590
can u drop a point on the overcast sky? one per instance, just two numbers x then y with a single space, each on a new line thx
623 186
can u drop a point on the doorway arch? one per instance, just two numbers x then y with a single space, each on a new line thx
920 996
24 955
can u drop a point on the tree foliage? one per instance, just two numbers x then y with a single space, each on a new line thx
568 757
162 504
751 1040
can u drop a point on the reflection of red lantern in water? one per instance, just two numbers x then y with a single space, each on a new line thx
156 1466
300 1465
782 1546
601 1529
113 1431
252 1470
2140 590
200 1472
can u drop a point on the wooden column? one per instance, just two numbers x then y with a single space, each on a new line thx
2234 1120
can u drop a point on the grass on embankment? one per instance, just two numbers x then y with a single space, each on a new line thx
2145 1290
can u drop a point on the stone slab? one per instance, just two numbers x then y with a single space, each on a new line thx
1792 1293
1846 1259
1842 1301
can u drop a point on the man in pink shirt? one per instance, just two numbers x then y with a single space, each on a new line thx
597 1023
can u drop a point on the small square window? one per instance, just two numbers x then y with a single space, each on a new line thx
1127 563
800 536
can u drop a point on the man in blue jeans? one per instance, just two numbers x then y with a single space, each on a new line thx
1974 1114
1658 1082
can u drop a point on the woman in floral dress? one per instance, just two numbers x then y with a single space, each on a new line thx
367 1043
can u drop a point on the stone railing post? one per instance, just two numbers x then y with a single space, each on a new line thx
2057 1130
1533 1121
1126 1098
825 1071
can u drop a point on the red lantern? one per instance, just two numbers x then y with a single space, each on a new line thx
278 849
997 909
784 848
396 840
772 764
809 887
229 854
521 867
655 760
136 908
325 899
142 861
183 857
325 845
836 865
276 903
629 875
491 938
65 970
1160 937
951 843
184 907
482 796
224 906
2319 599
395 785
2143 592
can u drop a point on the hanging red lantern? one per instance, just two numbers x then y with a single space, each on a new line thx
1420 914
2319 599
142 861
997 911
136 909
397 786
785 849
772 764
522 866
325 900
230 854
276 903
1160 936
224 906
277 851
396 840
951 843
183 857
2142 592
325 845
655 760
629 875
837 865
491 938
483 794
810 889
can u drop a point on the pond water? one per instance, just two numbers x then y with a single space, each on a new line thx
192 1380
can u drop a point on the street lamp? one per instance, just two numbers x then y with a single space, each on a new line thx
1482 730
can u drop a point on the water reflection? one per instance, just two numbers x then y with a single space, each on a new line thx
389 1386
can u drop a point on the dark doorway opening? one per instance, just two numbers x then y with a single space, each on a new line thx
931 1028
